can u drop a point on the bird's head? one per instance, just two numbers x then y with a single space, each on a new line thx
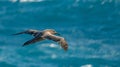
51 31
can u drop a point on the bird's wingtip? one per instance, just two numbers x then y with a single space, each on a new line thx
23 45
65 48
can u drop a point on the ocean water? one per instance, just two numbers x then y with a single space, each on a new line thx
91 28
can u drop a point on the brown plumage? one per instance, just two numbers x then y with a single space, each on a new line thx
43 35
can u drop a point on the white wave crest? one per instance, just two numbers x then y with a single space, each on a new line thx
87 65
53 56
53 45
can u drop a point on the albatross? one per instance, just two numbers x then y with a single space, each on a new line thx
47 34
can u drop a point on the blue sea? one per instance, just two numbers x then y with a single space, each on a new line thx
91 28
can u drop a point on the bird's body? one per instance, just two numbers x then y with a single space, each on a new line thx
43 35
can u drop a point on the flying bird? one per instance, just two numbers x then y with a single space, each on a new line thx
47 34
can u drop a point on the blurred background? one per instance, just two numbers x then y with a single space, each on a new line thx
91 28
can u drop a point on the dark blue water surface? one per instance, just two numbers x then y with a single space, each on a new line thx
91 28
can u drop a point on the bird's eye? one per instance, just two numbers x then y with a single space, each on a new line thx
53 31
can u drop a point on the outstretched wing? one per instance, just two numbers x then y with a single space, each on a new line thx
58 39
36 39
31 32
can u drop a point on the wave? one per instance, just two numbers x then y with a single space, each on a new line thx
25 0
75 1
87 65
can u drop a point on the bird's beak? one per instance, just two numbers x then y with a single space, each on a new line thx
57 33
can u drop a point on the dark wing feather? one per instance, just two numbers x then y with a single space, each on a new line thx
36 39
31 32
58 39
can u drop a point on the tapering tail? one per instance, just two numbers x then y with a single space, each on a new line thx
18 33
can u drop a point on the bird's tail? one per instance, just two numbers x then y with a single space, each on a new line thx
18 33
